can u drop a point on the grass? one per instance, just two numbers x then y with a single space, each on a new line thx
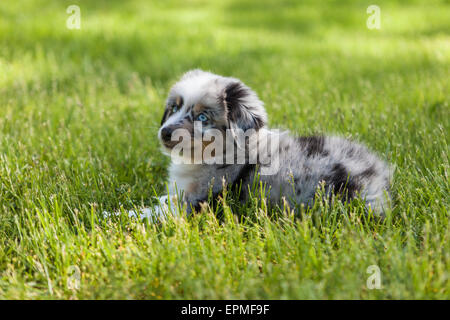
79 112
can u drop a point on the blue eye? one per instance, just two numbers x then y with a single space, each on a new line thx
201 117
174 108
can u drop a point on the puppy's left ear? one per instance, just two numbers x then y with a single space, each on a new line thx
244 109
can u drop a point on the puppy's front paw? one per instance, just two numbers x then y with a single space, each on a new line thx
160 211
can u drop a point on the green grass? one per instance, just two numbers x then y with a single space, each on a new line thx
79 112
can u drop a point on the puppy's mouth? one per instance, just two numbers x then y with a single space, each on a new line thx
169 144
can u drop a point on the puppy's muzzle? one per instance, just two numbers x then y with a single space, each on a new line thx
166 136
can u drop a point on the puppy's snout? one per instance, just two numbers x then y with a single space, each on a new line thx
166 133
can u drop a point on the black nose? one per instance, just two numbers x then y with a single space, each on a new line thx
166 133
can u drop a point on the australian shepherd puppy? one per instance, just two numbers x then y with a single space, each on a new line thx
214 129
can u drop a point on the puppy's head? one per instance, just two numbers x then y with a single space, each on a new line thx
201 101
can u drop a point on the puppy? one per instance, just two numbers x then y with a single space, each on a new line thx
291 168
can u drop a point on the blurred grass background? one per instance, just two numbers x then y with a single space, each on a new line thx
80 109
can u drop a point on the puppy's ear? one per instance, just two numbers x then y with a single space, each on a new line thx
244 109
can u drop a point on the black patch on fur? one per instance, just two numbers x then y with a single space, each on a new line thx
243 177
259 123
313 145
368 173
244 174
234 93
170 104
341 182
223 128
351 152
166 112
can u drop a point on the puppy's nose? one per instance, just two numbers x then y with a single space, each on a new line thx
166 133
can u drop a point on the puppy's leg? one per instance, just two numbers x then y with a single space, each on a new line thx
166 205
159 212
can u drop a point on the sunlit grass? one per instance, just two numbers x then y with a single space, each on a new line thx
79 112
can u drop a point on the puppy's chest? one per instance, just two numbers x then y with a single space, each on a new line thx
189 179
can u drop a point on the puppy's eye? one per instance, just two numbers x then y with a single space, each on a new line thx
201 117
174 109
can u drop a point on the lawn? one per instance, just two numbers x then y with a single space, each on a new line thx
79 114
